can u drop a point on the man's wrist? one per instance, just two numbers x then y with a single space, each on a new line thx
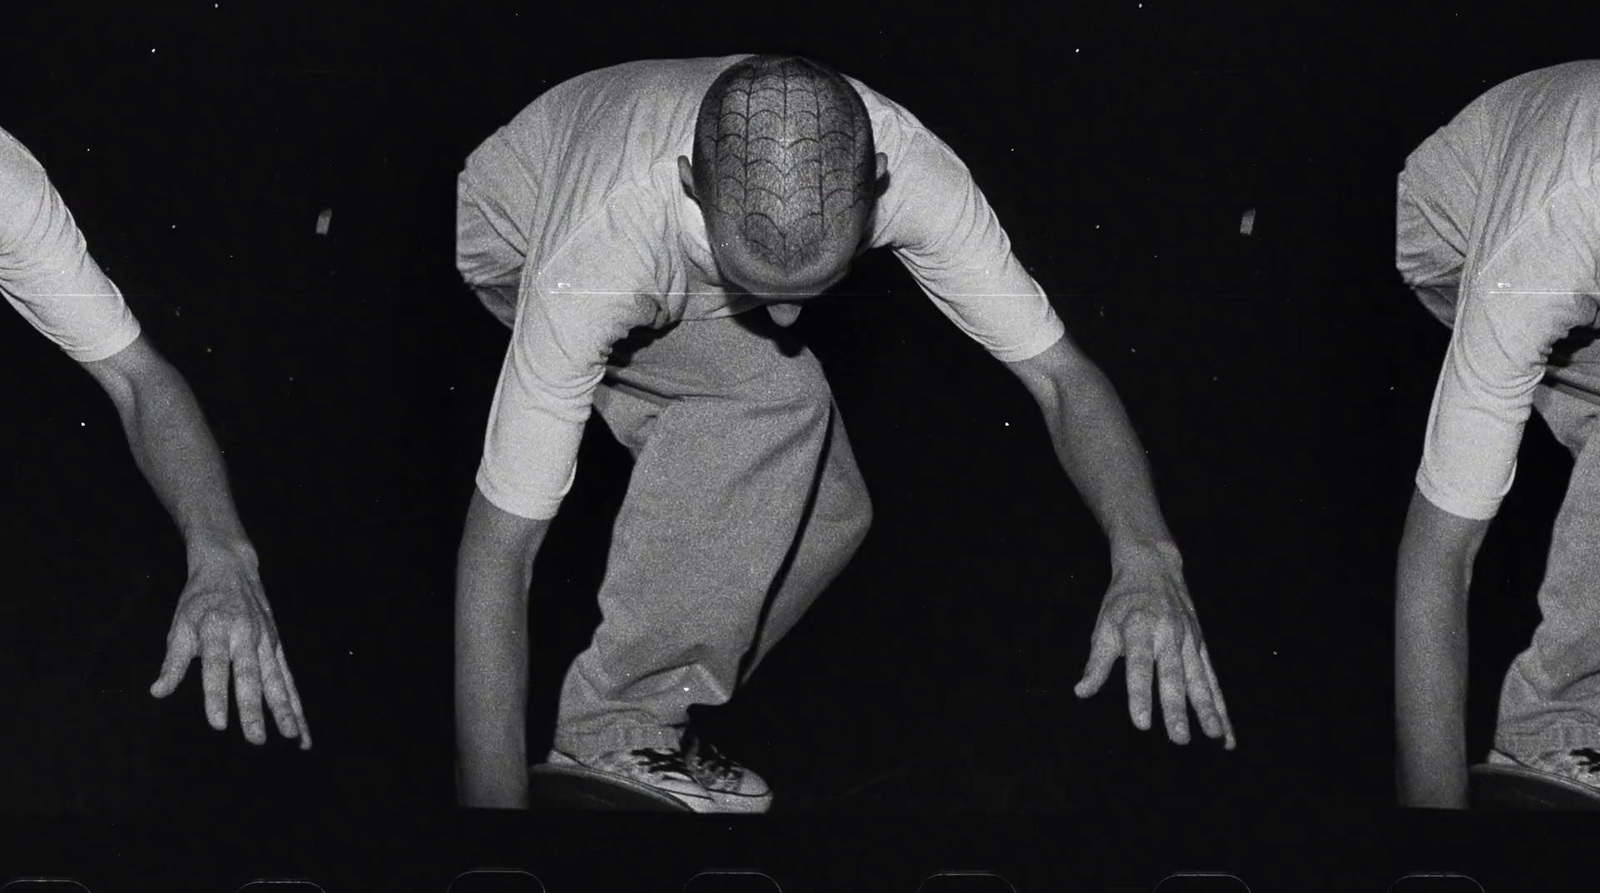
1128 546
209 549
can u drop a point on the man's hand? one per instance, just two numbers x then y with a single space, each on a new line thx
223 618
1148 618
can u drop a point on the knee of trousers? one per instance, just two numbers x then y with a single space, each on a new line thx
851 510
859 519
800 379
799 390
803 390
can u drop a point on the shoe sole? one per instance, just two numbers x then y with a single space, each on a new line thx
1519 787
609 790
742 804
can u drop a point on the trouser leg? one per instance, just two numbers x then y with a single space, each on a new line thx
729 436
1550 699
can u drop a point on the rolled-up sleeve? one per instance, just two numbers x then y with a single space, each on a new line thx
1536 289
46 272
559 347
937 221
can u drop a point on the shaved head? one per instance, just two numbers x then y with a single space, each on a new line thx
783 171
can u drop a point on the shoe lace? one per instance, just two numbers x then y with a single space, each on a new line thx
712 760
656 759
1589 757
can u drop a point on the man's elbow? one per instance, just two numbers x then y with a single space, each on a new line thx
495 538
136 375
1437 551
1057 372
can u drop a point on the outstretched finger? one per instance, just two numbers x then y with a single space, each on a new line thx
1102 656
294 700
1169 669
247 684
182 646
214 672
1139 654
1222 705
277 692
1199 685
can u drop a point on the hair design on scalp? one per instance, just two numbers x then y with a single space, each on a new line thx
783 154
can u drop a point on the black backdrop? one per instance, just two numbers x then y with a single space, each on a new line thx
1279 381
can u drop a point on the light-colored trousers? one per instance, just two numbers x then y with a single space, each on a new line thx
744 503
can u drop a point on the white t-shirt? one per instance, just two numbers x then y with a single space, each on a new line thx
46 272
1507 197
584 185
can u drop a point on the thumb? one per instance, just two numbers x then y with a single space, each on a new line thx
1101 658
182 646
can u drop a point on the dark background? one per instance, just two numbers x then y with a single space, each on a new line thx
1279 382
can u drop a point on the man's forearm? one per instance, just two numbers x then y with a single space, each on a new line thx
1432 581
493 573
175 451
1101 454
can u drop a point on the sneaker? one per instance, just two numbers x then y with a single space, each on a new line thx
1579 764
731 786
656 768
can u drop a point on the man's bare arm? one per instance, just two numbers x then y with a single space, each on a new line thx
493 572
223 615
1097 447
175 450
1147 616
1432 579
